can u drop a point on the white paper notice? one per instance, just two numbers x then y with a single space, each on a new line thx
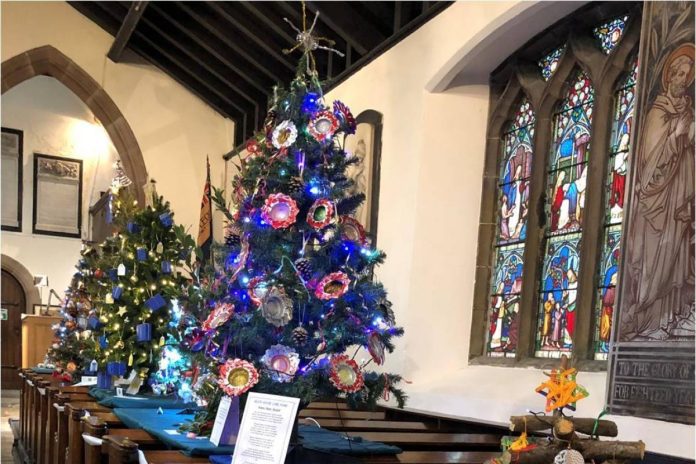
265 431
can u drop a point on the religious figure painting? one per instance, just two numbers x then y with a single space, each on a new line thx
365 145
658 270
558 296
505 300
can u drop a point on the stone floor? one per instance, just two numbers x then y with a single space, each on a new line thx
9 409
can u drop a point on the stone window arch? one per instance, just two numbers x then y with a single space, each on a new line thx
49 61
582 48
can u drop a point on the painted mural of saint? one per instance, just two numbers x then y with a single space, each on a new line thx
661 264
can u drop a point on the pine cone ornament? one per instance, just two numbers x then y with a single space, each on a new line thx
295 186
232 240
304 267
299 336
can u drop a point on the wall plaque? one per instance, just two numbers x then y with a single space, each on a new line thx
652 357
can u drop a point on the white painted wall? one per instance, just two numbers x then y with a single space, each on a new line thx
174 128
432 164
54 122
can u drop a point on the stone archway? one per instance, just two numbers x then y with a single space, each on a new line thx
25 279
48 61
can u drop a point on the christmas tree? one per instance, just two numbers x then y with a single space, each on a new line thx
135 316
70 352
293 297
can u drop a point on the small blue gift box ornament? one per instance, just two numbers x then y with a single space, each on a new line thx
113 274
144 332
132 227
166 219
103 380
166 267
93 322
116 368
155 302
116 292
141 254
103 341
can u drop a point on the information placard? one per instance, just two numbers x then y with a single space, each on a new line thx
265 431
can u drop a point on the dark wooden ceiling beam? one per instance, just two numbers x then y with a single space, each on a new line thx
203 59
135 12
212 45
221 8
339 17
261 62
279 29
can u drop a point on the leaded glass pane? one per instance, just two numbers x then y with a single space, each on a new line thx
513 196
549 63
558 296
616 183
610 33
505 300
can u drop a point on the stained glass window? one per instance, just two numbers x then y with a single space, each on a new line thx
614 207
549 63
511 231
610 33
566 182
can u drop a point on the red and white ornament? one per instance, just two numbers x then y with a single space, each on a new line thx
237 376
321 213
376 348
345 116
257 290
352 230
282 362
332 286
279 210
345 374
284 134
220 314
323 126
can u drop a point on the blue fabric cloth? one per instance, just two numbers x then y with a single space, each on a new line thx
327 441
163 425
109 399
41 370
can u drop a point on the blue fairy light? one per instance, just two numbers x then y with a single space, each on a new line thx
311 103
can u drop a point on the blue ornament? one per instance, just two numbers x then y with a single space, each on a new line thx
116 368
103 380
132 227
113 274
166 219
141 254
116 292
144 332
166 267
103 341
155 302
311 103
93 322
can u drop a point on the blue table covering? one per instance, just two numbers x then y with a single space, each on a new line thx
164 427
42 370
109 399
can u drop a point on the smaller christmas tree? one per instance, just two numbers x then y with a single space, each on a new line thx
135 314
70 353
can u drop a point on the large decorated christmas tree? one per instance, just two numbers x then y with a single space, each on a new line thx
135 316
293 297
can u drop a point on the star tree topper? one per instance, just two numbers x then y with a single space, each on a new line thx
561 390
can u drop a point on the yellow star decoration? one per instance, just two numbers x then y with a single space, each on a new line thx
520 444
561 390
121 310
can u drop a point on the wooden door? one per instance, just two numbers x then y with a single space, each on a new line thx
14 303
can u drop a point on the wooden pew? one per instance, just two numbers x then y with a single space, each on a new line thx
74 413
52 392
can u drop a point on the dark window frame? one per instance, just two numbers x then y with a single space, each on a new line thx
20 176
520 75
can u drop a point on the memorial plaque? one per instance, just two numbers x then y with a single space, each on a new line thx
652 355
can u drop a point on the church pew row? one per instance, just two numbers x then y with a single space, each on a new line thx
427 441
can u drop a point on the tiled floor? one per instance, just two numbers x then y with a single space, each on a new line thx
9 409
